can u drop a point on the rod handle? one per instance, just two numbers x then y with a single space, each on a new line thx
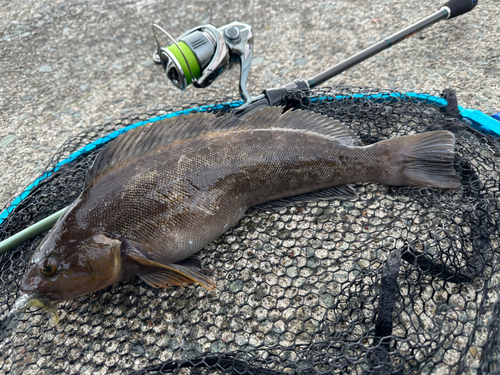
459 7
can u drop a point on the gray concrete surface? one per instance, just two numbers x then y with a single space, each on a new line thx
70 65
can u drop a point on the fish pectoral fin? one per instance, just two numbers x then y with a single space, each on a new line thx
181 274
343 192
161 275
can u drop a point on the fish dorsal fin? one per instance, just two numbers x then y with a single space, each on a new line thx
273 117
152 136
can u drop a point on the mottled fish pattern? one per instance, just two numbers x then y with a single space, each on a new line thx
158 194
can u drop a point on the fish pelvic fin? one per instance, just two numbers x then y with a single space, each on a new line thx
428 160
160 275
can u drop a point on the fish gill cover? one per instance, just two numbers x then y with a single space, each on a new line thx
399 281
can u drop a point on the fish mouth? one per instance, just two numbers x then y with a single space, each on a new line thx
37 299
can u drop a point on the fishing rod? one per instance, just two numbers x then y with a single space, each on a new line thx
202 54
452 9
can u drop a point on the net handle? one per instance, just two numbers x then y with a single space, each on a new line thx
30 232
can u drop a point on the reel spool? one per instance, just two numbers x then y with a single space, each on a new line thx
201 54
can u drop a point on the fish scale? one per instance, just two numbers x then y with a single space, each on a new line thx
158 195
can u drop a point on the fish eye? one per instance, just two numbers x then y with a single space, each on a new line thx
48 266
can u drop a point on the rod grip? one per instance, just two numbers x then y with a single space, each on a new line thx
459 7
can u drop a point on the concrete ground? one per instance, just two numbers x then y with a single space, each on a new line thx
66 66
69 65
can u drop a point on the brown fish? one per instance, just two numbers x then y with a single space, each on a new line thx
160 193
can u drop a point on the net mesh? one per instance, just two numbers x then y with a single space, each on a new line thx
398 281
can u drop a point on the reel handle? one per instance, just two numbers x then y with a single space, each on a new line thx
201 54
459 7
239 39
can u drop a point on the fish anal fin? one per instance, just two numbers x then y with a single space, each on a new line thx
161 275
343 192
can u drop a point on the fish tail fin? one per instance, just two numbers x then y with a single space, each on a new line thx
428 160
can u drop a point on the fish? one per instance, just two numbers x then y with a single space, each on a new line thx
160 193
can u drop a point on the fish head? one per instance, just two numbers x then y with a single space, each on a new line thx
68 265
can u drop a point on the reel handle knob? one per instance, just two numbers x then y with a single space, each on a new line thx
232 33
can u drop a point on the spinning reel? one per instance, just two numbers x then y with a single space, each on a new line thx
201 54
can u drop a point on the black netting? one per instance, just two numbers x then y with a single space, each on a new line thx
399 281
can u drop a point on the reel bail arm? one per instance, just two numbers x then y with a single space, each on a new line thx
201 54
